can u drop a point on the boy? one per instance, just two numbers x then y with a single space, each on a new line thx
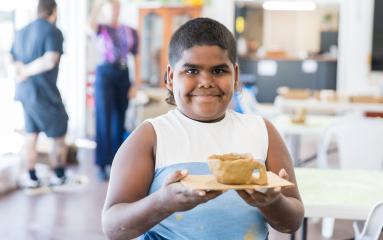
145 197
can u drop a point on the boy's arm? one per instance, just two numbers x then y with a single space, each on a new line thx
286 213
282 207
129 211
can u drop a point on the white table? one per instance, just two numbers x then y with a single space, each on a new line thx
315 125
338 108
340 194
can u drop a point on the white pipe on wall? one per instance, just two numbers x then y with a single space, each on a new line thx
355 36
72 21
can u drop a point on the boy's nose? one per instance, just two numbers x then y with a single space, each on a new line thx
206 80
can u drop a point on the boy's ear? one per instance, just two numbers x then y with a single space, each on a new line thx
169 78
236 76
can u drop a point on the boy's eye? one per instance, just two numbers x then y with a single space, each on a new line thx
191 71
219 71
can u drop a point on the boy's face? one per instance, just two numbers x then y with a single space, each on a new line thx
203 82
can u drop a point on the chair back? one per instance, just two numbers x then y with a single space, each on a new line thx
360 146
374 224
359 142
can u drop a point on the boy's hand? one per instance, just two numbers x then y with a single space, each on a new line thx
175 197
260 199
20 74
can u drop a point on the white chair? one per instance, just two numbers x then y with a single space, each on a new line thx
360 146
359 142
247 103
373 225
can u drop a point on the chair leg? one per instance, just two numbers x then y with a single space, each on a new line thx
304 228
327 227
358 228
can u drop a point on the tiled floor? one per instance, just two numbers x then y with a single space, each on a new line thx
58 216
76 214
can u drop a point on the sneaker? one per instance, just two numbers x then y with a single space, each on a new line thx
71 183
30 183
33 187
57 181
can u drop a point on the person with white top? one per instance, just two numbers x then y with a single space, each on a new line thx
145 198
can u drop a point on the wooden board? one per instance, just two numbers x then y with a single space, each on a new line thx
208 182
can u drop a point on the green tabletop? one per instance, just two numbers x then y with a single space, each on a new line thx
346 194
315 124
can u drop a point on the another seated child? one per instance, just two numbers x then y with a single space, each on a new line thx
145 197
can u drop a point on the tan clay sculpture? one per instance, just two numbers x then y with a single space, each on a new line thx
300 116
235 168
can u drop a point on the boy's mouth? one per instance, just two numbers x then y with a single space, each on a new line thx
206 93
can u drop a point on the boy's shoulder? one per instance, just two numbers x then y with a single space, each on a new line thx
165 117
167 114
245 116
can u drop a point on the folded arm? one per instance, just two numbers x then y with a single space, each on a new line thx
40 65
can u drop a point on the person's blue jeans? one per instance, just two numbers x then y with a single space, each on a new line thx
111 101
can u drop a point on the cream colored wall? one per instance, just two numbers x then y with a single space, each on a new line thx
255 22
293 32
334 10
221 10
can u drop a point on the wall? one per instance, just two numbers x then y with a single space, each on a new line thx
302 30
129 13
254 18
355 41
292 32
222 11
72 76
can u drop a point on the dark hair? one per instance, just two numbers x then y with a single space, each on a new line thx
45 8
198 32
201 31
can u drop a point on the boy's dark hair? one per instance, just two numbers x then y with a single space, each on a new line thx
201 31
45 8
198 32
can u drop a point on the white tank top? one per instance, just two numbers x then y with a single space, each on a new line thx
183 140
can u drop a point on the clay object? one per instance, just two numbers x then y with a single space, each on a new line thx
300 116
236 169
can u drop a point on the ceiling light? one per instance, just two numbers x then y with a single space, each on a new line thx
289 6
